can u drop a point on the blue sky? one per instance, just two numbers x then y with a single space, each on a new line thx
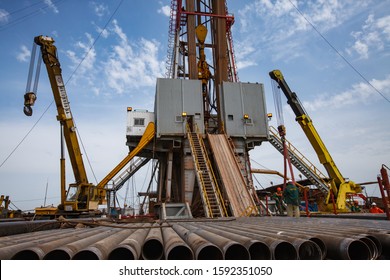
129 54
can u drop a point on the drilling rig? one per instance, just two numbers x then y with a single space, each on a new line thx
206 120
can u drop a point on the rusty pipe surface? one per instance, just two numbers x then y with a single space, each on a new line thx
25 237
8 250
203 249
38 251
130 248
346 248
67 251
174 246
102 248
280 249
11 228
257 249
306 249
289 236
153 247
232 250
384 240
301 240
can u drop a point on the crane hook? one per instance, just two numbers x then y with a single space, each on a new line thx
29 100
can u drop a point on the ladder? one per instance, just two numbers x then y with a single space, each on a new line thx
210 194
300 162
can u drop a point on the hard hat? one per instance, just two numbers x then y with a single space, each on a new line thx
373 204
289 181
278 189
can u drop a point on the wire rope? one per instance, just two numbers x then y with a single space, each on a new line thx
51 103
338 53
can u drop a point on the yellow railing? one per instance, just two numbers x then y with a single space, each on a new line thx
200 175
213 175
249 211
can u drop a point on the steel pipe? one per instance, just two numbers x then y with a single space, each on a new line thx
12 228
232 250
130 248
242 238
8 251
153 248
26 237
347 249
203 249
292 237
280 249
306 249
101 249
38 251
258 250
174 246
67 251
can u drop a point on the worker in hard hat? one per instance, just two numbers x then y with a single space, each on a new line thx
291 197
278 198
375 209
355 207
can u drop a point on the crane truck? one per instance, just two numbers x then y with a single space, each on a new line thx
81 196
339 186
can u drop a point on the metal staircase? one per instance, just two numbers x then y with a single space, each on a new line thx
134 166
210 194
300 162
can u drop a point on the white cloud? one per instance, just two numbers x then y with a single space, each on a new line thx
384 25
103 32
284 31
128 64
165 10
243 52
4 16
373 37
87 55
52 6
359 93
24 54
100 9
132 65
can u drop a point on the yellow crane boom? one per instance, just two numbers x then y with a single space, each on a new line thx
81 195
338 184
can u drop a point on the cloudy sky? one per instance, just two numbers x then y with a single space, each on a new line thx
334 54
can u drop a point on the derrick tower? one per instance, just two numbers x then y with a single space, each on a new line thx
201 47
206 120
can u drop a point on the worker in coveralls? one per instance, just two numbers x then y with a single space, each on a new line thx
375 209
291 197
278 197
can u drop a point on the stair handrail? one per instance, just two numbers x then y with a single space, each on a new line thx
292 149
200 175
208 162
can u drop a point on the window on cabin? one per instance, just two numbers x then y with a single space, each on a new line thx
139 122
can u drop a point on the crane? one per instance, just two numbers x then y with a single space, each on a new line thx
81 195
339 186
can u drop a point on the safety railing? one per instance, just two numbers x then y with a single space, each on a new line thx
200 175
216 186
304 160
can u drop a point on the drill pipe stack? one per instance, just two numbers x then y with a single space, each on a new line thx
260 238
